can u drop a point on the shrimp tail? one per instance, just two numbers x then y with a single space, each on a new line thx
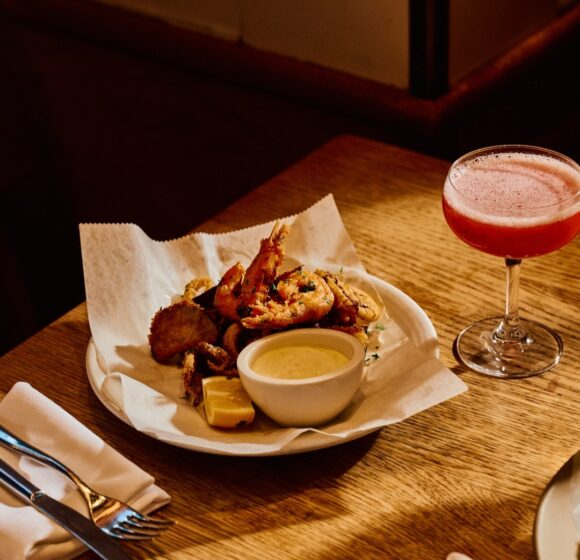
227 293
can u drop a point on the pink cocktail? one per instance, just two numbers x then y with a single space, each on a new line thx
514 202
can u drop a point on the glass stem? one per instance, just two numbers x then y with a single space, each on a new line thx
510 328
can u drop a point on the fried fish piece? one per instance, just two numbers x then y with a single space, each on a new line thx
179 327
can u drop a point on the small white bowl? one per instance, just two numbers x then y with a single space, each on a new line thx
309 401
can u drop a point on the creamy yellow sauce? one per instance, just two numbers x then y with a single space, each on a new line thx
298 362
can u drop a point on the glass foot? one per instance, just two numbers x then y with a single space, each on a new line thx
481 350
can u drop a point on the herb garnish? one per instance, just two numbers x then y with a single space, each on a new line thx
372 358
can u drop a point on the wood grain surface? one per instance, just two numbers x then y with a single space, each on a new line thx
463 476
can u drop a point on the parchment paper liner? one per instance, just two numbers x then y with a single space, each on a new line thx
128 276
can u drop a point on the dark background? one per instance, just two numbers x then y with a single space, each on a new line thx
92 132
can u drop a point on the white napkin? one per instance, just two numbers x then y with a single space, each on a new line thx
24 532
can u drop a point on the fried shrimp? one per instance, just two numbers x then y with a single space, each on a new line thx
368 310
299 297
239 288
351 304
228 292
264 268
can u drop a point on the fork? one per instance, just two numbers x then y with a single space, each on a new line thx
112 516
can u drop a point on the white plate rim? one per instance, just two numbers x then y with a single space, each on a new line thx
408 314
555 502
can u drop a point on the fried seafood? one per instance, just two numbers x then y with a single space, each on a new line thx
212 324
217 360
240 288
196 287
203 360
178 328
299 297
368 310
351 304
227 295
358 331
264 267
231 339
192 379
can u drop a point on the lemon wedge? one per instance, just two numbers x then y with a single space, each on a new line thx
227 405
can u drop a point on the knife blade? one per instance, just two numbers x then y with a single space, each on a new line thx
74 522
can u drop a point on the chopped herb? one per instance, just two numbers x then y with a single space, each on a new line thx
379 327
310 287
372 358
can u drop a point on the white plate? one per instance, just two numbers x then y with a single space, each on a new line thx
405 312
555 536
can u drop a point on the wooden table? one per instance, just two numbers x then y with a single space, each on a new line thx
464 476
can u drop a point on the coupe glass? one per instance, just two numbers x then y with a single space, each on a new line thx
512 201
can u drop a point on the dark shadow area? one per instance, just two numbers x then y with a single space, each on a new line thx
91 134
36 214
95 133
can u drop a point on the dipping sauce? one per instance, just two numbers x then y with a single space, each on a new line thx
298 362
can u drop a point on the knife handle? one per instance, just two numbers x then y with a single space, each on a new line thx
15 481
75 523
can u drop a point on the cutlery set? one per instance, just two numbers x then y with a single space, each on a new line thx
108 517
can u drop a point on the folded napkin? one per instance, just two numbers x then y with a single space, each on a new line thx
25 533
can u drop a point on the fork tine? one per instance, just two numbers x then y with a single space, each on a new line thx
126 536
145 520
126 529
131 523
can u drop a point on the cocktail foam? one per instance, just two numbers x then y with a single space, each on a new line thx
514 189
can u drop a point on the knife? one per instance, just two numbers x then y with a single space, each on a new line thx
75 523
